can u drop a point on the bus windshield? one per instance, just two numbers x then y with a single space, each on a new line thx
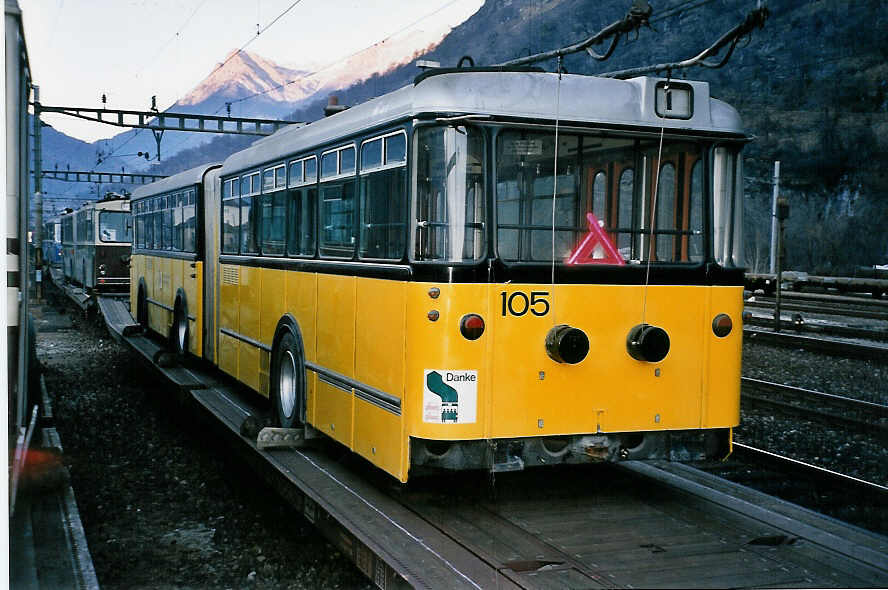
615 180
114 226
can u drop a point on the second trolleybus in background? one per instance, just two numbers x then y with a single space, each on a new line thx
97 243
484 269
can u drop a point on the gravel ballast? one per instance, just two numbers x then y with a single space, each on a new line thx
161 505
164 506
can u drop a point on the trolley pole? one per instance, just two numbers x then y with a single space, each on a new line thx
772 268
782 213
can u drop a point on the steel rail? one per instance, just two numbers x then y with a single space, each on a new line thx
824 329
857 414
879 410
866 302
821 308
828 345
786 465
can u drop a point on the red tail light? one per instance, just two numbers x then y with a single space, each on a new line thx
722 325
471 326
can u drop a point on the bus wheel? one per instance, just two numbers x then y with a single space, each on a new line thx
179 329
288 382
142 309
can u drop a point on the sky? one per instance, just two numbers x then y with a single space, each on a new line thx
131 50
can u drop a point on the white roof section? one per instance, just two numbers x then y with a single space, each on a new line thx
174 182
525 95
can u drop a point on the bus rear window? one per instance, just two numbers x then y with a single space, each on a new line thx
634 189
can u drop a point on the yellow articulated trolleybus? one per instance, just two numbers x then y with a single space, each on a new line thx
485 269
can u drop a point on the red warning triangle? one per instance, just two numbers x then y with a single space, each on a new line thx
596 247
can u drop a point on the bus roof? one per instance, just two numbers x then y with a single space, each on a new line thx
525 95
176 181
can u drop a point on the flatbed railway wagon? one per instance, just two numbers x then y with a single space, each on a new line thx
96 245
484 269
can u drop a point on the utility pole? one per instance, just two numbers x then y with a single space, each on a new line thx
782 213
38 195
773 266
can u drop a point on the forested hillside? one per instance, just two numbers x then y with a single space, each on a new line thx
811 88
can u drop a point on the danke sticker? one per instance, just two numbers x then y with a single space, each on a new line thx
449 397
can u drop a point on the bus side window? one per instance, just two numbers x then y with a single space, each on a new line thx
230 216
178 224
337 219
274 217
168 222
249 225
449 194
301 239
302 198
383 197
158 225
337 197
695 217
189 224
383 207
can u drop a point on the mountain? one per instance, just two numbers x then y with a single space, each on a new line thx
257 87
254 86
810 87
242 74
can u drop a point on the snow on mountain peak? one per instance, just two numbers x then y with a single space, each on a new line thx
244 74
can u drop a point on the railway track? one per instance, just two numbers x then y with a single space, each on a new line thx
865 492
602 526
828 345
800 326
832 410
836 309
824 491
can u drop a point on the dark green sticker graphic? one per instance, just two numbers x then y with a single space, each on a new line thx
448 395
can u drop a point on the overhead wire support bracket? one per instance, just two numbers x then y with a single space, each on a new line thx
101 177
755 19
637 17
173 121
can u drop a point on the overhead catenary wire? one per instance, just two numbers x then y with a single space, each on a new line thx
230 57
334 62
159 51
340 60
171 39
256 36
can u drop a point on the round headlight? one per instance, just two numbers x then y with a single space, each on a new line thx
566 344
647 343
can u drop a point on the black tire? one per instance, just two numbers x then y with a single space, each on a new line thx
179 329
288 382
142 309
